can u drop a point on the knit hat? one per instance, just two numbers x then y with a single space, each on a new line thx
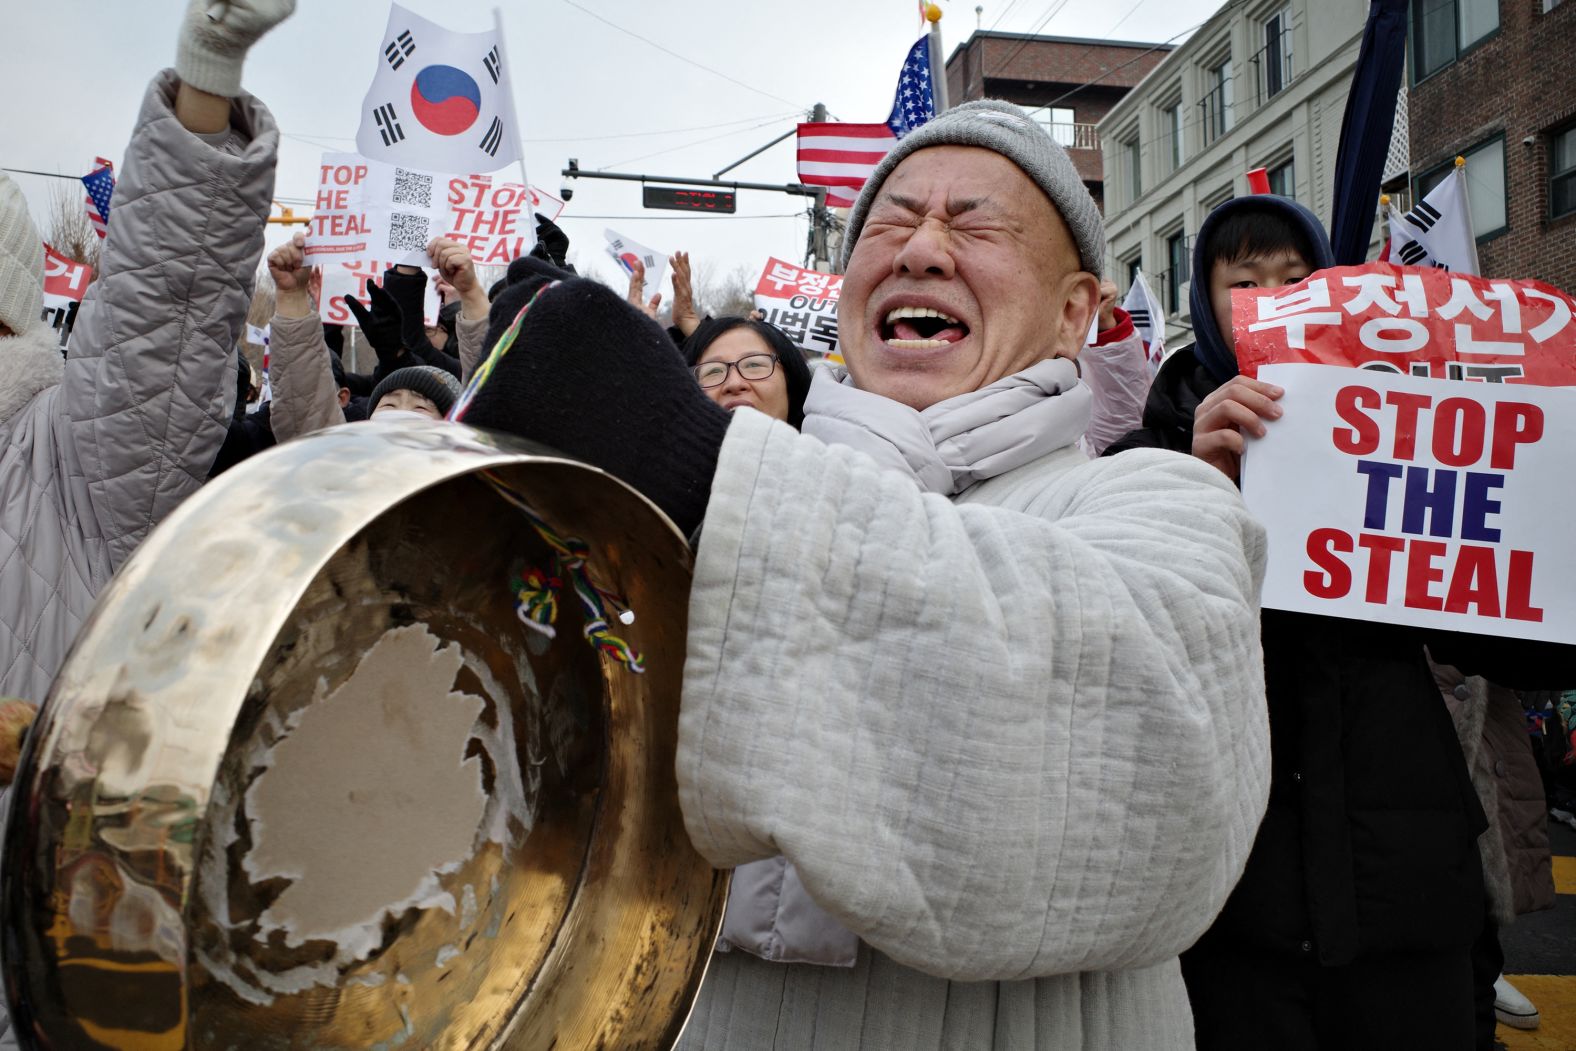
431 383
1001 128
21 262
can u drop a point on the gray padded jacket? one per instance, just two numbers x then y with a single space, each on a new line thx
92 459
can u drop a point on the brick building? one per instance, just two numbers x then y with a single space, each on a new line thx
1069 83
1494 81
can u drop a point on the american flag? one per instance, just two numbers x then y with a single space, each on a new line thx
101 186
841 156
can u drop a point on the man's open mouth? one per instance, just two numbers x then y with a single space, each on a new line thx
921 328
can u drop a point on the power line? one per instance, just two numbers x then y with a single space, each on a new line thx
683 58
687 145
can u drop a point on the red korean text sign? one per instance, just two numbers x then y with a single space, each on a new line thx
1416 321
802 303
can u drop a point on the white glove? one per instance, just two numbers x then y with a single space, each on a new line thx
215 36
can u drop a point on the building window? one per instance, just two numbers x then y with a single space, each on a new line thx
1134 172
1177 264
1273 62
1216 103
1131 267
1443 29
1063 127
1283 179
1485 186
1562 172
1171 134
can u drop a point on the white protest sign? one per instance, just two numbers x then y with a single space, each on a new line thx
625 250
369 210
350 279
1408 500
802 303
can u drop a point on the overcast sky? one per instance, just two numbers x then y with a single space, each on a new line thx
75 70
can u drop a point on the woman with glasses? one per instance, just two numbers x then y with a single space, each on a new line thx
742 363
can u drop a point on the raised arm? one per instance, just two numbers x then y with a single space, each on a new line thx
150 374
455 265
996 741
306 398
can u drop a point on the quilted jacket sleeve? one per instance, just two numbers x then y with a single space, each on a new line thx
998 741
306 399
152 359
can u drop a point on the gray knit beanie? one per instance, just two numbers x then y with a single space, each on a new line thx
21 262
1006 129
436 385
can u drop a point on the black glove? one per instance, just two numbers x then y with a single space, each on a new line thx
408 292
381 325
594 377
552 244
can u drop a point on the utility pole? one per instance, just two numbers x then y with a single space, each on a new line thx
820 255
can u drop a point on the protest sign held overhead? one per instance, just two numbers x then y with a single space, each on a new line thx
802 303
626 251
440 100
65 283
1420 322
1393 491
342 279
369 210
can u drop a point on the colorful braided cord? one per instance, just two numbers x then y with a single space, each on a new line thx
536 592
503 346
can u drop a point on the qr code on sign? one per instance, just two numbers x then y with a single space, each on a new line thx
407 233
412 188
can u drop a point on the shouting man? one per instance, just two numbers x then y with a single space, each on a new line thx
998 709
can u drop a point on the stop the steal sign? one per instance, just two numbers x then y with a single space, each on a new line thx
1419 501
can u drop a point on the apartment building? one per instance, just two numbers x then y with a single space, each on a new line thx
1067 83
1262 84
1493 81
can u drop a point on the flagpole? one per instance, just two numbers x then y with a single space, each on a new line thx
938 61
514 112
1460 173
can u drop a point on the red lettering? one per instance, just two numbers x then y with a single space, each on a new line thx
1363 438
1515 423
1460 426
1421 572
1407 406
1474 582
1379 549
1335 580
456 191
1518 591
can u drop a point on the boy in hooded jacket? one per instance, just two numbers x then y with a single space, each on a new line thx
1356 920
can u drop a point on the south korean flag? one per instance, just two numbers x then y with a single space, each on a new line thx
440 100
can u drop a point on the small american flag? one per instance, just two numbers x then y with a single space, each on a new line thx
101 187
841 156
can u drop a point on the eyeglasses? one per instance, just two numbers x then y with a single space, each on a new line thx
753 367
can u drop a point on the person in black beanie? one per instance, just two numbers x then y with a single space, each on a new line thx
416 389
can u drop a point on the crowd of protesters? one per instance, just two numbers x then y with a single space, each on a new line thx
1071 787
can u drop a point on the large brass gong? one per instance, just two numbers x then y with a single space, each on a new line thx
308 781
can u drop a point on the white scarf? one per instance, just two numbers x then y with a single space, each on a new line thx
955 443
946 448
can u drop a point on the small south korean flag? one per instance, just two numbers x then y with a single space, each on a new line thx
440 100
